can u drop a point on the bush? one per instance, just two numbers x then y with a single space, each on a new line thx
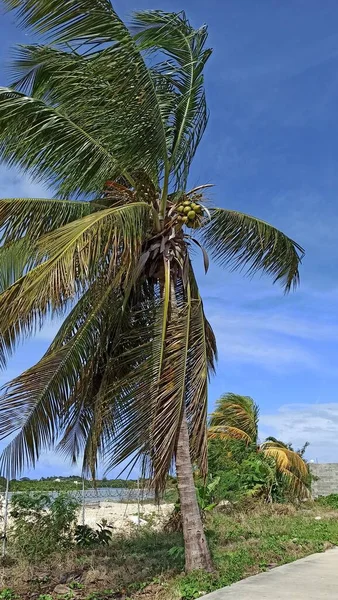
42 524
330 501
86 537
245 472
240 469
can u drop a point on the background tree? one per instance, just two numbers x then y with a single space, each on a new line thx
236 418
111 118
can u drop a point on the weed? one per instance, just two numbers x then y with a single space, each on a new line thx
42 524
329 501
196 584
176 551
75 585
149 563
87 537
8 594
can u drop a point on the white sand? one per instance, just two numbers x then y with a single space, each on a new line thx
117 514
122 517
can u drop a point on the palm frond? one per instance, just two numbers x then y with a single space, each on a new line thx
153 388
210 339
227 432
51 146
131 380
167 373
244 242
93 416
117 104
289 464
37 403
106 242
87 421
285 458
107 90
15 259
235 416
201 360
212 353
83 20
33 217
172 34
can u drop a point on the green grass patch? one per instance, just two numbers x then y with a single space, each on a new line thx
150 564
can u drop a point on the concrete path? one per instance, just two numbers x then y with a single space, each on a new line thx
312 578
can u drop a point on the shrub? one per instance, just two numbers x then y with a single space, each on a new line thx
240 469
86 537
331 501
41 523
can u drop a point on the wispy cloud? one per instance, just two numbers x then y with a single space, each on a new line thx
299 423
270 339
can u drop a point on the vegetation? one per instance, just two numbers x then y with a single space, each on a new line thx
86 537
64 484
279 470
111 118
42 524
330 501
253 538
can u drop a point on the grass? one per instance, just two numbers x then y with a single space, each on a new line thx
150 564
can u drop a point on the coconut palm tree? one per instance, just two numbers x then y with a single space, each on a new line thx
236 417
111 117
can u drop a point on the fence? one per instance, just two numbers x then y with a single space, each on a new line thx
95 504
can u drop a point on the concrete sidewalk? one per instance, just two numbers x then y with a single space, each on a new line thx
312 578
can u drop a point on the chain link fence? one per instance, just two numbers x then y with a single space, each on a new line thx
110 504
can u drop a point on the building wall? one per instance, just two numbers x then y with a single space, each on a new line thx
327 482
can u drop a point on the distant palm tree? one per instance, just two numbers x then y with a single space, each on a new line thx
114 116
236 417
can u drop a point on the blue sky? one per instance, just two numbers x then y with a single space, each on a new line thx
271 149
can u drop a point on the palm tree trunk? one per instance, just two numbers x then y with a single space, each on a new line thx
197 555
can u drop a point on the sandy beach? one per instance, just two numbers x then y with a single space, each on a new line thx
123 516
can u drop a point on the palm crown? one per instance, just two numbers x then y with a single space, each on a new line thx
111 117
236 417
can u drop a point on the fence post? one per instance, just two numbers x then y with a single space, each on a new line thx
83 501
4 541
138 502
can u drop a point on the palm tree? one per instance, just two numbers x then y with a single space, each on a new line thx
236 417
111 118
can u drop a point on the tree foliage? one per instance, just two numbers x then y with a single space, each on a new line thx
286 472
111 117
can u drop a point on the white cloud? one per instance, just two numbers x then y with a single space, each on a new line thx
292 326
298 423
270 340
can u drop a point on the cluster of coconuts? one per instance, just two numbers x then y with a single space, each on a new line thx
189 213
